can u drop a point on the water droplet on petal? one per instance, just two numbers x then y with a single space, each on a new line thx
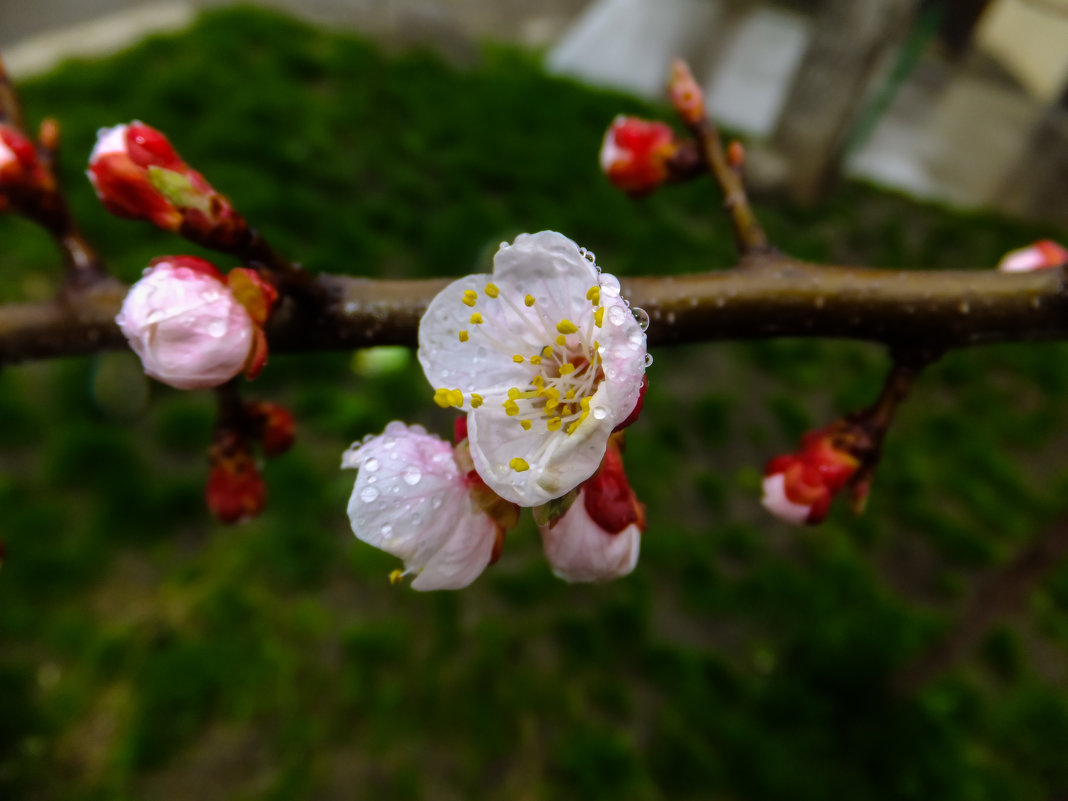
412 476
609 285
387 531
599 412
617 315
216 328
641 316
436 503
648 359
368 494
371 465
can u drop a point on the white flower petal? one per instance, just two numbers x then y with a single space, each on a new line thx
776 502
109 140
580 550
551 323
410 500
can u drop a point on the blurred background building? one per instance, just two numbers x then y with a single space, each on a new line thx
963 101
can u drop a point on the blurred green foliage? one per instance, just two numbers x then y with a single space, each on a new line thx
148 653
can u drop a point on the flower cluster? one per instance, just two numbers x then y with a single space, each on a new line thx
137 174
192 327
547 360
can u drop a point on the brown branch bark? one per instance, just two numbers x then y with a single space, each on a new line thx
784 298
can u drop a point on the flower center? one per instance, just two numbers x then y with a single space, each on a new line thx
561 362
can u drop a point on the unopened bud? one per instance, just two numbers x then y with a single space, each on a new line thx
685 94
137 174
636 152
273 426
799 487
1042 255
235 490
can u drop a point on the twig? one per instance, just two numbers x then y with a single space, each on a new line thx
688 100
45 204
10 108
1001 595
902 309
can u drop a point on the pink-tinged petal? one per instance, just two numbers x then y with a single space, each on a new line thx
580 550
1040 256
776 502
186 327
411 501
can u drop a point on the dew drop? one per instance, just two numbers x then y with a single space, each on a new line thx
372 479
609 285
648 359
216 328
599 413
371 465
617 315
412 476
387 531
436 503
368 494
641 316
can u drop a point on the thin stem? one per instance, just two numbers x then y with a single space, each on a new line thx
748 234
1001 595
10 108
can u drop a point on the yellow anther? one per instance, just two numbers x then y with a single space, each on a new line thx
529 300
565 326
511 408
566 368
519 465
571 428
553 423
396 576
476 319
476 400
513 393
570 393
517 359
528 395
561 340
469 298
535 359
525 424
547 351
456 398
593 295
598 317
441 398
492 290
584 402
538 380
551 403
464 336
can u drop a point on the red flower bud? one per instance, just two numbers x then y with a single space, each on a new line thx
273 426
635 154
19 166
799 487
137 174
235 490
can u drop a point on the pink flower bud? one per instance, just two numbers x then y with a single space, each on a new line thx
799 487
186 325
685 94
137 174
1041 255
18 156
635 154
598 538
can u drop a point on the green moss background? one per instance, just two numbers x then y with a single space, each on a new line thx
149 653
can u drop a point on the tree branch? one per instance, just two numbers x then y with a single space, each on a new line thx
784 298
